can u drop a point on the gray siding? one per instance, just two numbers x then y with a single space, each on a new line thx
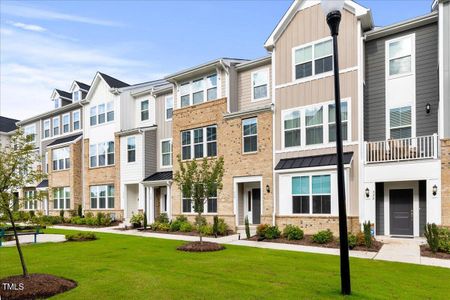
379 209
427 83
150 152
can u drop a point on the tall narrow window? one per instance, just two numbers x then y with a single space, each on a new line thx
93 156
101 114
76 96
110 153
144 110
260 84
169 107
110 111
76 120
321 194
292 129
55 126
93 116
332 122
102 196
185 91
323 57
197 91
314 126
186 145
400 52
400 122
30 133
198 143
211 87
187 204
66 123
110 195
250 135
131 149
57 102
94 197
303 62
102 154
166 153
46 128
211 141
212 202
300 195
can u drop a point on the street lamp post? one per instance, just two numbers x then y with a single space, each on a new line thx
332 10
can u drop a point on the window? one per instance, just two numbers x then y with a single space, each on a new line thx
314 126
57 102
46 162
197 89
211 206
30 203
101 117
55 126
260 83
166 153
66 123
101 113
110 111
30 133
194 144
131 149
76 120
61 198
250 135
187 204
400 52
169 107
144 110
76 96
400 122
102 196
292 129
332 122
101 154
313 59
61 158
311 192
46 128
93 116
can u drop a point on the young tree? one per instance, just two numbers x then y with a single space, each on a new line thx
199 182
16 171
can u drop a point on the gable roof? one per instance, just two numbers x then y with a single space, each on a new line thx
65 140
64 94
361 12
113 82
83 86
7 124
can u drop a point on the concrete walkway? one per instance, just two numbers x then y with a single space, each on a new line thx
394 249
41 238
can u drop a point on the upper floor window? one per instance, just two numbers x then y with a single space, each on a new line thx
250 135
101 154
166 153
400 122
311 194
76 96
55 126
314 125
57 102
131 149
260 84
332 122
61 158
46 162
101 113
47 128
313 59
399 56
292 136
30 133
169 107
199 142
144 110
66 123
76 120
194 92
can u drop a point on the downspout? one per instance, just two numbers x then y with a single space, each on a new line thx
274 185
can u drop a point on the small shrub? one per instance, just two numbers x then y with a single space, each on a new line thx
73 213
444 240
323 237
81 236
136 220
200 221
368 239
49 220
100 216
272 232
292 232
216 225
352 241
32 214
61 215
89 214
247 227
80 211
432 235
360 239
181 218
261 230
222 227
91 221
163 226
186 227
206 229
162 218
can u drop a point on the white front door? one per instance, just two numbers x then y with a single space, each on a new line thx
163 200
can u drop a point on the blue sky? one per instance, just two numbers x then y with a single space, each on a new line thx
47 44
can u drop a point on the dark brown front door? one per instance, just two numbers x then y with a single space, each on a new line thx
401 211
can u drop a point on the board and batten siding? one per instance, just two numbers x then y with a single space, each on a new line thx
150 152
245 89
426 81
164 130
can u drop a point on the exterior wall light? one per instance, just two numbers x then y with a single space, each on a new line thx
267 188
428 108
434 190
367 192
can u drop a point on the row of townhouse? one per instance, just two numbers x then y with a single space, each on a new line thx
112 147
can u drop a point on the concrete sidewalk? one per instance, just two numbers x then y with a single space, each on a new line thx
41 238
394 249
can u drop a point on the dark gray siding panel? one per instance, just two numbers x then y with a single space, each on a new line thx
422 206
150 152
427 83
427 79
379 207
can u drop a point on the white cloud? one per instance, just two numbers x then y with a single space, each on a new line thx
30 27
35 13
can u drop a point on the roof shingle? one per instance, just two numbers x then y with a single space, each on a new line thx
312 161
113 82
65 140
7 124
159 176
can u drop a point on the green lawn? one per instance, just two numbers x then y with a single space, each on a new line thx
127 267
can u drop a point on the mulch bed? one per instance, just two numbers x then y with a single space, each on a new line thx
190 233
426 251
201 247
307 241
35 286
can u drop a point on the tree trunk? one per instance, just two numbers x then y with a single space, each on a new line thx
199 219
22 260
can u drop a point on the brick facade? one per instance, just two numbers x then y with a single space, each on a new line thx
229 145
313 224
445 181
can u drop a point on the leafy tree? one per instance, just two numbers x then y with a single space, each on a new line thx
199 182
17 161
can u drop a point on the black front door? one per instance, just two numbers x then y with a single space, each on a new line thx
256 206
401 211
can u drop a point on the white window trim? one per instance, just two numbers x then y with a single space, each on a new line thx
106 114
243 136
64 198
128 151
205 143
98 154
65 165
32 201
205 207
325 123
68 123
49 122
98 197
253 87
413 118
161 154
310 195
33 126
59 126
73 120
80 95
412 36
166 108
313 76
205 90
147 110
